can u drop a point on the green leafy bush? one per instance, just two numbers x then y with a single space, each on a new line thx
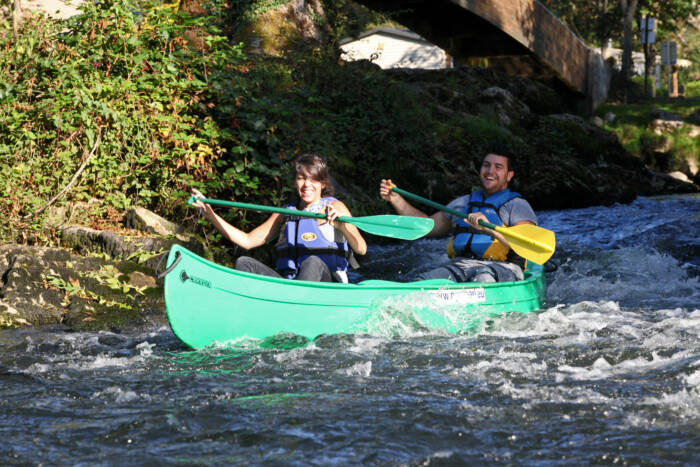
152 97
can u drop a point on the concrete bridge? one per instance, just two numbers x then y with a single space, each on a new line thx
520 37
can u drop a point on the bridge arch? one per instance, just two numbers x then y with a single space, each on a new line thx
520 37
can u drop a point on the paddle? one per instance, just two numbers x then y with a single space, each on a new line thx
401 227
529 241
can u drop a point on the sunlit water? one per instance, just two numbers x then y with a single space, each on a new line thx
609 373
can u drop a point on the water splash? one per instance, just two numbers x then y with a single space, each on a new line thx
421 314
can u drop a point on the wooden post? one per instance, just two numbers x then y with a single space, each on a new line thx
674 80
657 79
16 16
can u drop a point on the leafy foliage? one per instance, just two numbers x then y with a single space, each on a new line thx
598 20
165 103
154 95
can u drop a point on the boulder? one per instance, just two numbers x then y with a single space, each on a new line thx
148 250
660 126
504 105
660 114
597 121
679 176
689 166
147 221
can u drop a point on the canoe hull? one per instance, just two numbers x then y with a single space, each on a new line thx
207 303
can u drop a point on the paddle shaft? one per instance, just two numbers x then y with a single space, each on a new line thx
400 227
258 207
454 212
433 204
508 232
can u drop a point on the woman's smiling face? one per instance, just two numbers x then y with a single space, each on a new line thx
309 189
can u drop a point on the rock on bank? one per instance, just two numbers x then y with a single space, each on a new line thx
99 279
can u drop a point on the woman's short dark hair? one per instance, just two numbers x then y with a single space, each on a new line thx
314 166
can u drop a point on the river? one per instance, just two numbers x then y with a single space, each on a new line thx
608 373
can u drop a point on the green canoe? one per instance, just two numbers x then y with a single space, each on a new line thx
208 304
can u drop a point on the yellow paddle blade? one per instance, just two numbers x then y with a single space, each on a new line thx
530 241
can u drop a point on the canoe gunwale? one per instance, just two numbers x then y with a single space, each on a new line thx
386 285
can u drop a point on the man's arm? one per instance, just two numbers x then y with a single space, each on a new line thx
442 226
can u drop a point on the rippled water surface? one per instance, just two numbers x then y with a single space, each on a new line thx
608 373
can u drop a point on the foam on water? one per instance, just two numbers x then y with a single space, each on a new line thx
629 276
421 314
367 344
602 369
119 395
682 407
363 369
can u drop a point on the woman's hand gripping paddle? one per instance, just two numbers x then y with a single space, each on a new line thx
533 243
393 226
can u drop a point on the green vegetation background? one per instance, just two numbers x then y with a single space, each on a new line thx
634 118
155 102
160 102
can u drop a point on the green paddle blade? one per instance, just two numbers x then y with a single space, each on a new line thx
392 226
529 241
387 225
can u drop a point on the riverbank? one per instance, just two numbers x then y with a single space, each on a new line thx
92 279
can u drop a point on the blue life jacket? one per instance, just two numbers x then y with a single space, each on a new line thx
301 237
482 246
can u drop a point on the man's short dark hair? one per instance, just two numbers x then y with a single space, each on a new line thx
501 149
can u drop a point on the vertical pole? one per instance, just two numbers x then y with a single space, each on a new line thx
646 55
646 69
16 16
674 74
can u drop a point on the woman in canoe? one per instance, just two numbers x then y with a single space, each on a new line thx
307 248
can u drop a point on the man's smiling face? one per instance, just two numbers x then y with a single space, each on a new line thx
495 173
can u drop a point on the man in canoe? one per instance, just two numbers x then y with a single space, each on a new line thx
307 249
478 254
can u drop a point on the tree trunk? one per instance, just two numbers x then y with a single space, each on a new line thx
628 7
602 27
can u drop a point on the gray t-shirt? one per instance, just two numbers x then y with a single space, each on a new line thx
512 212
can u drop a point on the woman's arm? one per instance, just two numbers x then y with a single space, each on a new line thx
256 237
